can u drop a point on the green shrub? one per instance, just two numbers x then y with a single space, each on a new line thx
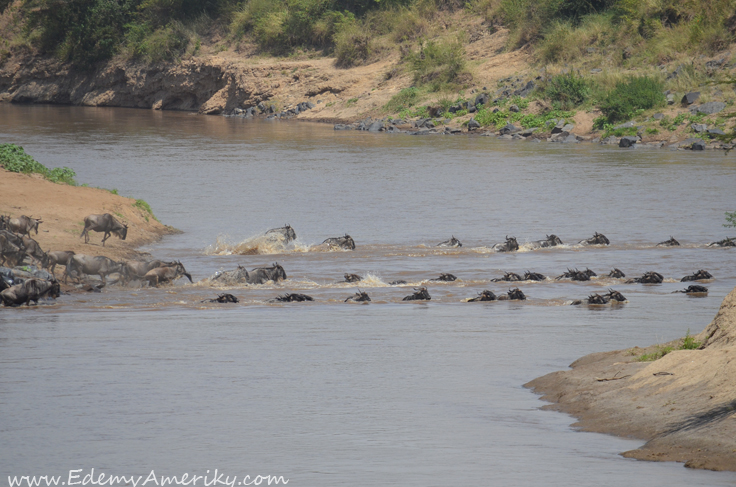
730 219
567 91
352 46
637 93
141 204
406 98
162 44
13 158
487 117
438 63
689 343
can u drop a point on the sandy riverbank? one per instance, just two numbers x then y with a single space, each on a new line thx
683 404
63 208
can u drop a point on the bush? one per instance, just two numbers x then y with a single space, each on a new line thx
438 64
163 44
637 93
13 158
352 46
567 91
730 219
406 98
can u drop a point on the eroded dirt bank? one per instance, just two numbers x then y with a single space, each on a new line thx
683 404
63 208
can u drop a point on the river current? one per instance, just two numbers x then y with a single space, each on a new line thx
329 393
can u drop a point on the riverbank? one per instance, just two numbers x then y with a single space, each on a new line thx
683 404
63 209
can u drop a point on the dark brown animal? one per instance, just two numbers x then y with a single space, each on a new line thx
359 297
30 291
508 277
167 273
647 278
485 295
700 275
445 278
353 278
291 298
669 243
23 225
58 257
513 295
616 273
420 294
105 223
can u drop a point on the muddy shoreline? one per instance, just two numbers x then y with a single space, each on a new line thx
683 404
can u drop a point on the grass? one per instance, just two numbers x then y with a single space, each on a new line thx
438 64
567 91
730 220
686 343
403 100
636 93
141 204
13 158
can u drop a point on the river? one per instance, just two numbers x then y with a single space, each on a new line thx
328 393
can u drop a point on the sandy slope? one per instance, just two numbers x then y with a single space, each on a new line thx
687 415
63 208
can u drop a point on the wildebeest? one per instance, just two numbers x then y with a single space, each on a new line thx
551 241
615 296
669 243
577 275
397 283
359 297
23 225
485 295
445 278
287 233
647 278
612 297
453 242
85 264
701 274
259 275
533 276
57 257
104 223
11 247
346 242
596 239
508 277
30 291
137 269
223 298
7 278
352 278
291 298
510 245
726 242
513 295
694 289
166 273
32 249
616 273
420 294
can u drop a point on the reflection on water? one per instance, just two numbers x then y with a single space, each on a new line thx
332 393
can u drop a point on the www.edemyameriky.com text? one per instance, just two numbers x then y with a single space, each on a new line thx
80 478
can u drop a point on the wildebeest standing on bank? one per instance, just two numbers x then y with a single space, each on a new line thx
23 225
104 223
30 290
34 251
58 257
86 264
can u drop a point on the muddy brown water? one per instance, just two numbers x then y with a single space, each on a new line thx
328 393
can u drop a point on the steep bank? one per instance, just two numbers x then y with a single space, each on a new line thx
63 208
683 404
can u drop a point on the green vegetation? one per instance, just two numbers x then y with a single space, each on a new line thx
687 343
730 219
567 91
636 93
438 64
403 100
145 207
13 158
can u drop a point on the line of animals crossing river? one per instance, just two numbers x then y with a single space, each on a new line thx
28 273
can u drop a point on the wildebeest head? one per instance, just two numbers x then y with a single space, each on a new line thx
288 233
348 242
293 297
616 273
615 296
516 294
701 274
453 242
695 289
511 243
224 298
533 276
278 272
597 299
446 278
669 243
649 278
352 278
553 240
181 270
122 232
600 239
420 294
485 295
360 296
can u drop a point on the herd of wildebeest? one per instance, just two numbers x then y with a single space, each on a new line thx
31 272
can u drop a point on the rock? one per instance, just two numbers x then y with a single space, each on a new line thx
570 139
262 107
699 128
658 116
550 122
508 129
558 128
698 145
473 124
590 50
506 136
514 108
526 90
595 70
482 99
310 105
375 127
690 98
471 108
670 99
716 131
677 72
711 107
626 125
528 132
340 126
628 141
517 137
568 127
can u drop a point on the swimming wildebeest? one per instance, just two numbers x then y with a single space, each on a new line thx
616 273
58 257
485 295
80 264
223 298
726 242
30 290
612 297
346 242
647 278
694 289
137 269
32 249
259 275
23 225
104 223
287 233
701 274
352 278
508 277
420 294
445 278
551 241
669 243
577 275
533 276
596 239
166 273
453 242
513 295
359 297
510 245
291 298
